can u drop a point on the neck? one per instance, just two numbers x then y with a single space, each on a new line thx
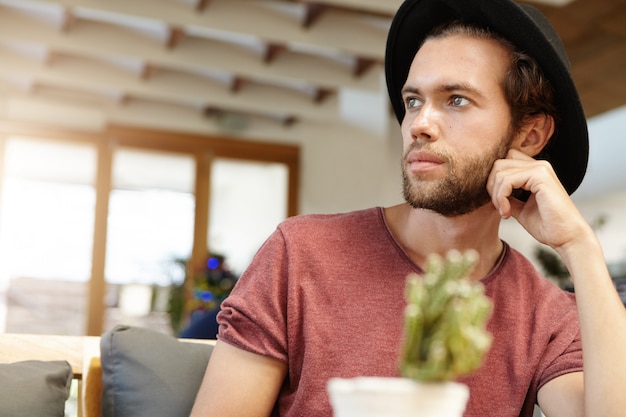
423 232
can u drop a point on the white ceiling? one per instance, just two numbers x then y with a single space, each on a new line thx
283 61
263 58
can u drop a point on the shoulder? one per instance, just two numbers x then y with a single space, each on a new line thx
314 223
339 233
516 278
513 266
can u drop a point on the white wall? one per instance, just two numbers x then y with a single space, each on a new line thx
350 171
603 192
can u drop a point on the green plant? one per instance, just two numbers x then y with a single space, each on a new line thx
176 300
551 263
445 334
553 266
202 289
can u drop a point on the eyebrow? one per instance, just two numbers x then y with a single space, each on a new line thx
444 88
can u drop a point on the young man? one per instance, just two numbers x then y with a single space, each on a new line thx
483 94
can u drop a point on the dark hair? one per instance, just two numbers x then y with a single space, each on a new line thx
527 90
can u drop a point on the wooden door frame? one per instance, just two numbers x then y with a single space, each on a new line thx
204 148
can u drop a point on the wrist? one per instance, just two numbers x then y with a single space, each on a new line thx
582 253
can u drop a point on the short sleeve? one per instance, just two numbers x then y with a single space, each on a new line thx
253 317
564 353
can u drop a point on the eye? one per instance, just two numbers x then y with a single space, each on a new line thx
412 102
459 101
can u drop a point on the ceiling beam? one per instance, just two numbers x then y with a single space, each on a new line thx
362 66
313 11
202 4
81 75
175 36
272 51
388 7
191 54
355 34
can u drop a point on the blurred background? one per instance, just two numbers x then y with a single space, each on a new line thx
141 139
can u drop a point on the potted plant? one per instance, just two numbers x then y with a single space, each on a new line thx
202 290
445 337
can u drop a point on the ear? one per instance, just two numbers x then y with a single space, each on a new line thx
535 134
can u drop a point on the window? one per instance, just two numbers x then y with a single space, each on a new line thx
248 200
46 234
91 221
150 224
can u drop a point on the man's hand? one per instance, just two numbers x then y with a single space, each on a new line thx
549 215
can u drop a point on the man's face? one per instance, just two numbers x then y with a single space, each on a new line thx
463 190
457 123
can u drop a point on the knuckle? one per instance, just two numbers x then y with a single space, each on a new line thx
545 166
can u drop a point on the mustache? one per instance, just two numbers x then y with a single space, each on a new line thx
418 146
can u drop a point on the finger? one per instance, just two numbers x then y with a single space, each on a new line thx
517 206
504 178
494 184
518 155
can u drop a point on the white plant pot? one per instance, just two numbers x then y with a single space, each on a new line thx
396 397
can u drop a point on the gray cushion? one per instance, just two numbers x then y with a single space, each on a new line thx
34 388
147 373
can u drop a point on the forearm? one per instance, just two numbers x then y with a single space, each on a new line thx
603 327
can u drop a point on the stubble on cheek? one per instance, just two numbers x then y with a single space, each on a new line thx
461 191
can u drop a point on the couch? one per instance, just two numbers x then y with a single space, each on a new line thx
127 372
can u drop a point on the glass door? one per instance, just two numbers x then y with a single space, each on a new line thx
248 200
150 227
46 234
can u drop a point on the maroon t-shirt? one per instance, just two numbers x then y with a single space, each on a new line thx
325 294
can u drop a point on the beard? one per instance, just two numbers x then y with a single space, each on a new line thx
462 191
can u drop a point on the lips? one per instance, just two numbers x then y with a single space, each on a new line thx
420 161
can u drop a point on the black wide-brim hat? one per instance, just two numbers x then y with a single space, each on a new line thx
529 30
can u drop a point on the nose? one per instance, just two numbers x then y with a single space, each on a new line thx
423 124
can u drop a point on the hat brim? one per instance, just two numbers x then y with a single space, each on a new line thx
528 30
